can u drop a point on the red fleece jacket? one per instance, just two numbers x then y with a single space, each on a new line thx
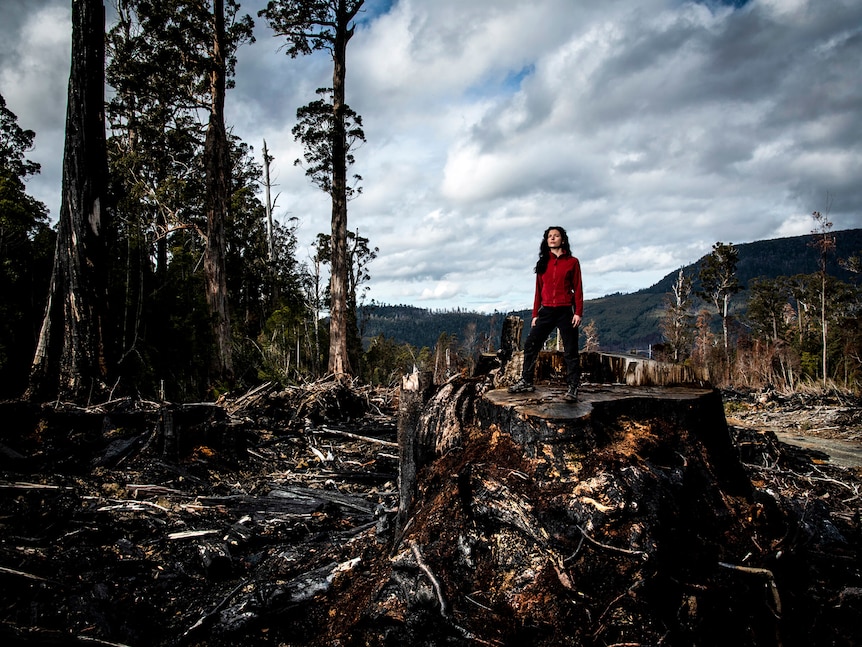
560 285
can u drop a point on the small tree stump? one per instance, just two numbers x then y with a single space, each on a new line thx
410 404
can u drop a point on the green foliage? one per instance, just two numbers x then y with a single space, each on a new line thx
308 25
810 363
280 346
14 143
315 127
718 279
386 360
767 307
26 256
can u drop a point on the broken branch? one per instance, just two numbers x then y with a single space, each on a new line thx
626 551
762 572
438 590
347 434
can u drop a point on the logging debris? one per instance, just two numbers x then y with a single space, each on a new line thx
270 518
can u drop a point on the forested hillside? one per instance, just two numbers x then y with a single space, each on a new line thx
420 327
624 321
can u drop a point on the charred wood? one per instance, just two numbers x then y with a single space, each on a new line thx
634 516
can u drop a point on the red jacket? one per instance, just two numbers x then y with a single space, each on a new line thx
560 285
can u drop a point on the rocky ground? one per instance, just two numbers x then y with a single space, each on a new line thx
270 520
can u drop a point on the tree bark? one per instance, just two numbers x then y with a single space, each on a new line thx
410 405
70 359
217 201
339 362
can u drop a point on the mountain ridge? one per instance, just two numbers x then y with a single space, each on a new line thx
624 321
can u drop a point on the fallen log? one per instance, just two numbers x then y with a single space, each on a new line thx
16 635
311 494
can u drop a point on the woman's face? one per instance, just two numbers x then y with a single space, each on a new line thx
554 239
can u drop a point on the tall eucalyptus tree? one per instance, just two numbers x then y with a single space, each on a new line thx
327 130
71 359
173 63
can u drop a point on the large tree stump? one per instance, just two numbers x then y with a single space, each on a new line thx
559 434
625 518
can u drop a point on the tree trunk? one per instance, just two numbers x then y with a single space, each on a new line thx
823 324
510 338
70 359
217 200
339 362
410 403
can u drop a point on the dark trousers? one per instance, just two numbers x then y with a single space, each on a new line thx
548 319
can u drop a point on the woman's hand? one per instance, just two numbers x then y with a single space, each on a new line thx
576 321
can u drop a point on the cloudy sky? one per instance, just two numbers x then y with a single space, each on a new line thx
649 129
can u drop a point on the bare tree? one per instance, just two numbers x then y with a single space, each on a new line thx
824 243
591 337
71 357
676 320
267 185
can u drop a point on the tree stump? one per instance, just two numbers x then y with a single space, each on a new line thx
625 518
510 338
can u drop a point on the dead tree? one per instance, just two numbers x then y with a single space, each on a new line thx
71 360
411 401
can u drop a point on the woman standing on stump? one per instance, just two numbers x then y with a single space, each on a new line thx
558 303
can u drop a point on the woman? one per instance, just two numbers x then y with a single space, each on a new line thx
558 303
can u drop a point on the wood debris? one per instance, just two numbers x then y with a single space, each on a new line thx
273 519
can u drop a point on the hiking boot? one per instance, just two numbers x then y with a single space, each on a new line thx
521 386
571 394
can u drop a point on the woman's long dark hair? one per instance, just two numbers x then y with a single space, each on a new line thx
545 251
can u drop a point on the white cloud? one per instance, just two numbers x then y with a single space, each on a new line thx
440 290
649 129
34 73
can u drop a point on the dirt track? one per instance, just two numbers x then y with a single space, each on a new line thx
832 425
